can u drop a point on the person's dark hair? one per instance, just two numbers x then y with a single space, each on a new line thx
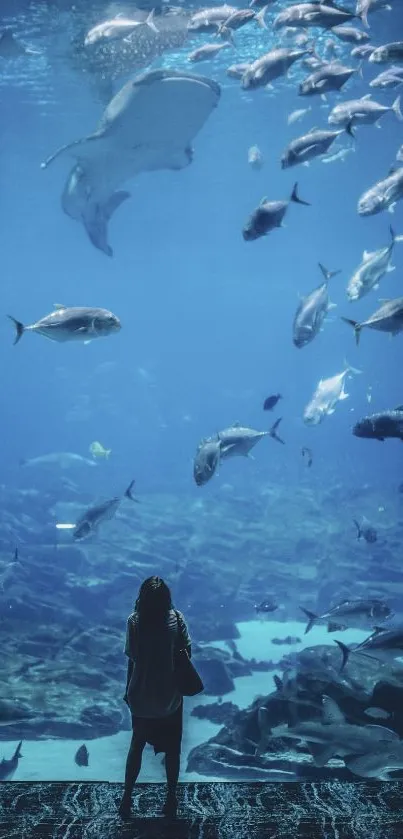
154 600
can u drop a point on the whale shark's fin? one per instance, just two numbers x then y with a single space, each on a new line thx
97 218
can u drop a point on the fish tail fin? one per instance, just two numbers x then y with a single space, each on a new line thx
349 129
356 326
150 21
17 753
351 369
97 217
345 653
19 329
364 18
295 197
396 109
278 683
359 531
260 17
328 274
273 431
129 494
312 618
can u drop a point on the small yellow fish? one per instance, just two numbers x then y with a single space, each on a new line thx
97 450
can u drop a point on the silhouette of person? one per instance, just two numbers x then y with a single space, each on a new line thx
155 630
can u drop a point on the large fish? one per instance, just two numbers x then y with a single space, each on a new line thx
90 521
324 15
327 394
388 318
310 145
382 426
363 8
383 645
388 52
382 196
206 460
351 614
312 311
8 767
374 266
331 76
238 440
75 323
149 125
269 215
362 111
270 66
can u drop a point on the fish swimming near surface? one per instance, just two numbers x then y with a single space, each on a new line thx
134 135
238 440
388 318
76 323
312 310
269 215
8 767
311 145
206 460
383 196
208 20
362 111
374 266
270 66
388 52
323 15
350 614
382 426
118 27
366 532
81 756
364 7
384 645
90 521
327 394
271 401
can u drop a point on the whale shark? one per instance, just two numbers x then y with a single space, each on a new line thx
149 124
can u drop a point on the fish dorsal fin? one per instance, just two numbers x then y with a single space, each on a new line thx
366 97
263 201
367 255
58 306
331 712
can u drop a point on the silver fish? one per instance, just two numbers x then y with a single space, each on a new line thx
312 311
77 323
270 66
63 460
236 71
382 196
312 14
331 76
377 762
388 52
207 20
363 8
383 645
297 115
388 318
241 17
238 440
90 521
362 111
269 215
390 78
327 394
310 145
255 158
357 614
374 266
207 51
118 27
350 34
206 460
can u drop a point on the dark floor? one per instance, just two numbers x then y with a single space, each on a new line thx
332 810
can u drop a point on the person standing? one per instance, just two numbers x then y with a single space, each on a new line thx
155 631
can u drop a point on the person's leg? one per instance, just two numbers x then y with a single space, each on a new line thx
133 766
172 764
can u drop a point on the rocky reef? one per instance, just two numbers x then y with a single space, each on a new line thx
64 605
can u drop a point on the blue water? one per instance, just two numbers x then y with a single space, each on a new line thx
206 317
